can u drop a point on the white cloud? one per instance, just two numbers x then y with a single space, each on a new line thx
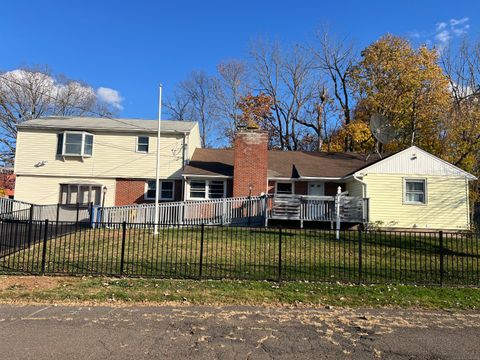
447 31
443 37
455 22
12 82
441 25
110 96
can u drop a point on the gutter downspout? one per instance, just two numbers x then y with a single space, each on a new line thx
364 187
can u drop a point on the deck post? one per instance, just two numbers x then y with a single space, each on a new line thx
223 211
265 210
337 212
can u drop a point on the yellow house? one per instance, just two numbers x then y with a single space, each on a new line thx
80 159
414 189
411 189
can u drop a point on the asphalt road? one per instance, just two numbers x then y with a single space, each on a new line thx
234 332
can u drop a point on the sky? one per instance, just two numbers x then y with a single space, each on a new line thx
124 49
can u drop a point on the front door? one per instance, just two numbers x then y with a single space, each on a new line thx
316 188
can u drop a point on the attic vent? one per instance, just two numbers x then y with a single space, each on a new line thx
414 156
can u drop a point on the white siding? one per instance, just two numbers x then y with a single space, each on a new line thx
414 161
114 155
45 190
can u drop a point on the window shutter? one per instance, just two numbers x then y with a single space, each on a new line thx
59 143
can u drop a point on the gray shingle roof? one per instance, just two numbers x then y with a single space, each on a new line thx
281 164
106 124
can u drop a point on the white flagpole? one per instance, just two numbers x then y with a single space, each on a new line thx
157 171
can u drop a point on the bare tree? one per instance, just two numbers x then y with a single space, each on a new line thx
195 97
289 79
462 127
320 118
461 131
179 106
35 92
230 86
337 60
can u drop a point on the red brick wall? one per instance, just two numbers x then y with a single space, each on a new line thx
331 188
271 187
301 188
132 191
229 188
250 162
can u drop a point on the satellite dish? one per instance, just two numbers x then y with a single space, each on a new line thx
382 128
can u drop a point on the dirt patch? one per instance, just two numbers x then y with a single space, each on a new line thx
29 282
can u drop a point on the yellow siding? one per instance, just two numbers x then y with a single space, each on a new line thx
44 190
354 188
114 155
446 208
194 141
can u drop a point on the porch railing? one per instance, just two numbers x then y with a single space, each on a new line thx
317 208
231 211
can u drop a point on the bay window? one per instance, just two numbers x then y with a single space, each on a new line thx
198 189
80 193
74 143
206 189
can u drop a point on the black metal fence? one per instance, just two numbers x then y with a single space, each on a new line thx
216 252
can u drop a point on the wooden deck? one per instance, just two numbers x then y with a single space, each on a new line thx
318 208
243 211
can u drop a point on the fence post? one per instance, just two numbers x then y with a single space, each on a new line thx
30 223
91 214
122 258
78 210
359 255
44 250
201 251
442 250
279 254
58 213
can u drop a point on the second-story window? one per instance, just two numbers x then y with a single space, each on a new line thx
142 144
75 144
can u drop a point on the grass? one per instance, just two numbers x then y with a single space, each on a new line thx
240 253
124 291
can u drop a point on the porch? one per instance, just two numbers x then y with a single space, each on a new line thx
350 209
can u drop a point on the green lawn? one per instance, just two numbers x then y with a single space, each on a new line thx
241 253
127 291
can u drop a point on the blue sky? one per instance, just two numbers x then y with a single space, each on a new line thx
131 46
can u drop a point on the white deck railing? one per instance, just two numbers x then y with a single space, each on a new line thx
317 208
228 211
231 211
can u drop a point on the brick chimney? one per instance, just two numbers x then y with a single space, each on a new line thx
250 162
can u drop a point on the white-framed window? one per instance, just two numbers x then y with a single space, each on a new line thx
206 189
75 143
142 144
415 191
198 189
284 188
167 189
80 193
